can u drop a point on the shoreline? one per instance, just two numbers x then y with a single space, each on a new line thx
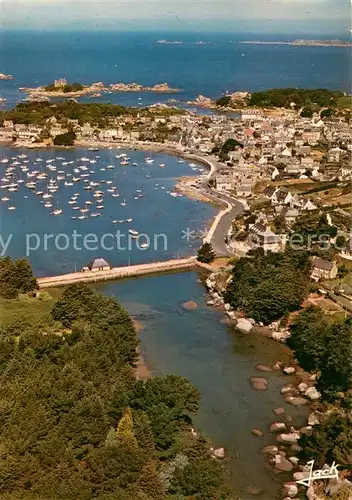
142 371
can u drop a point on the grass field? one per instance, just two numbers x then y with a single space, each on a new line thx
345 102
25 308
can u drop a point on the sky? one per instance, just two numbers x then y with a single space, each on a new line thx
262 16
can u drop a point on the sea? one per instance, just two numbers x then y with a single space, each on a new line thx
197 344
216 65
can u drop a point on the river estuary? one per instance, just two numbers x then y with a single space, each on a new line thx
195 344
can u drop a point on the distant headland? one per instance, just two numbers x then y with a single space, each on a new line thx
301 42
62 88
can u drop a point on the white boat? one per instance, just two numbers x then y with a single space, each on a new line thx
192 165
144 245
129 220
123 204
95 214
5 198
48 205
115 195
180 161
162 165
124 162
57 211
75 208
47 196
149 160
100 207
134 164
133 232
11 208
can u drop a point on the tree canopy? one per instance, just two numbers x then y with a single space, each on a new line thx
324 347
15 277
75 423
206 253
282 98
267 287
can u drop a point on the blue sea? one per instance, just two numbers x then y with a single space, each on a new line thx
222 64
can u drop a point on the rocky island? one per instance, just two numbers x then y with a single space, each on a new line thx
61 88
301 42
6 77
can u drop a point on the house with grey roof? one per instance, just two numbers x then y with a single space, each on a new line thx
323 269
97 264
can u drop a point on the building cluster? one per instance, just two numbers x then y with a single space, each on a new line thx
285 148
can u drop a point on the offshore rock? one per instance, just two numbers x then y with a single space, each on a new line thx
259 383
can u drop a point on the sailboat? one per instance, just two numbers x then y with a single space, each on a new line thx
123 204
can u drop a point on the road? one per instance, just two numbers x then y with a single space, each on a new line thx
223 223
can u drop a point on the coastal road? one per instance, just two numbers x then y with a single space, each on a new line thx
223 226
223 221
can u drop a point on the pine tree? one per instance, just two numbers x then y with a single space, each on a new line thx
206 253
149 481
125 432
111 440
144 433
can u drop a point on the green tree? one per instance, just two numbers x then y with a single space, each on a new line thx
223 101
307 112
206 253
66 139
15 277
327 348
330 441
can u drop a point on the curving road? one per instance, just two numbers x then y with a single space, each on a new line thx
223 225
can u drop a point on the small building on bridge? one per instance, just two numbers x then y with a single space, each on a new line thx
98 264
